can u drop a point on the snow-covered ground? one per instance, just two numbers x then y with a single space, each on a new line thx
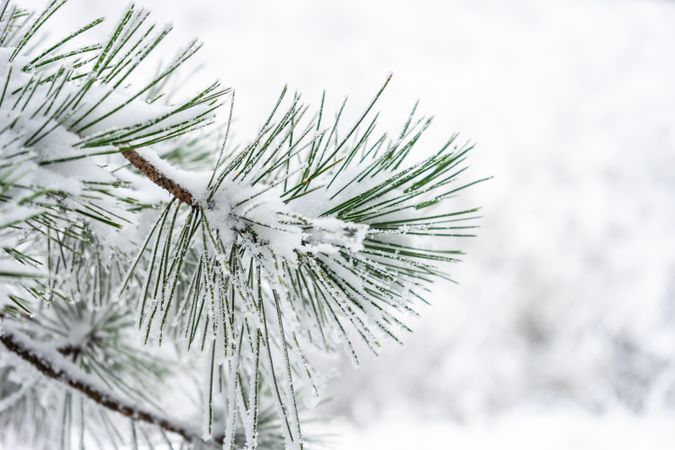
518 430
561 333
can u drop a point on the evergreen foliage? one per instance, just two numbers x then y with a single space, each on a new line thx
146 257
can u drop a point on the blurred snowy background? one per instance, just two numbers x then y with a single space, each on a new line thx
561 333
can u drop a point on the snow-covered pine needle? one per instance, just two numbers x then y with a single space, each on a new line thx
142 251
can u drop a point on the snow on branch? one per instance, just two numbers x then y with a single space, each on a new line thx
160 178
54 366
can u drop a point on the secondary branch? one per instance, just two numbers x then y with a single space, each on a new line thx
48 367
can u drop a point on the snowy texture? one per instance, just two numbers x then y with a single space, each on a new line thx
520 430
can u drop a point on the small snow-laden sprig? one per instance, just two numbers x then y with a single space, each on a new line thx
299 241
91 333
68 115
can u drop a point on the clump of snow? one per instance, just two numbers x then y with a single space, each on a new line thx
329 235
265 222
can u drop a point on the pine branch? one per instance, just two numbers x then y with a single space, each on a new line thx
306 237
56 370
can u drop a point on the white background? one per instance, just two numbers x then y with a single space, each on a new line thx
561 333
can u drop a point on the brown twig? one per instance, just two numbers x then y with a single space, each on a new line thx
47 368
159 178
